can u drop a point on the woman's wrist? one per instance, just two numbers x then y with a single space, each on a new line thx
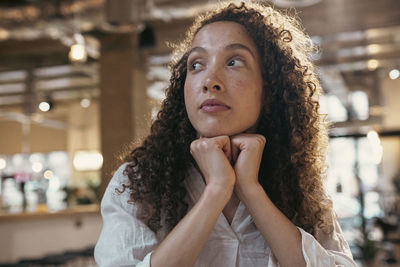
219 192
246 191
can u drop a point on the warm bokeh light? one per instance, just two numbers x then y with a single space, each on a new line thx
4 34
85 102
373 48
37 167
77 53
48 174
86 160
3 164
372 64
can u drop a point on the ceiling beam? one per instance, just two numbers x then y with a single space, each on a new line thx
330 17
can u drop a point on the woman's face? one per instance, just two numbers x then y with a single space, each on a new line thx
223 87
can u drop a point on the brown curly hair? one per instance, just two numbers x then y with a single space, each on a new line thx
293 164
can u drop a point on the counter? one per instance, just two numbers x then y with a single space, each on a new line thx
37 234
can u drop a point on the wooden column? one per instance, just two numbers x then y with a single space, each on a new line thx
116 98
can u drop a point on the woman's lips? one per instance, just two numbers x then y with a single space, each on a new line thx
215 108
213 105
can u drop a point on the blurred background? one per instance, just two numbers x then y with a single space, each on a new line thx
80 81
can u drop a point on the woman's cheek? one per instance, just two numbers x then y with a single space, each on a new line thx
241 83
240 86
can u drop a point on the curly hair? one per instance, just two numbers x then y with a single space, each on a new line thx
293 165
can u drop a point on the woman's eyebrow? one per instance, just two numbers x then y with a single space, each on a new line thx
197 49
235 46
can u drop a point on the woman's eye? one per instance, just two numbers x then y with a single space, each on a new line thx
195 66
235 62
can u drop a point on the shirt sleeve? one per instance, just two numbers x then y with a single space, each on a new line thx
327 251
332 251
124 239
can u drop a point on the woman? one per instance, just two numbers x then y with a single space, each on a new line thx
231 173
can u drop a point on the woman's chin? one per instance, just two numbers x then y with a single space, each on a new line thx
224 130
214 133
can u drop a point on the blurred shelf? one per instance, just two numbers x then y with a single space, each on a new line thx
69 212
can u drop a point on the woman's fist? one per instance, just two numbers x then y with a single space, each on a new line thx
213 156
247 151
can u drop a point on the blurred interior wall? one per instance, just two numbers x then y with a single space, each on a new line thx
41 138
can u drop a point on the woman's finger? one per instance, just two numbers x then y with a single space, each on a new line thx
225 144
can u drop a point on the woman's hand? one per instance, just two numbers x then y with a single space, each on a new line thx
247 151
213 156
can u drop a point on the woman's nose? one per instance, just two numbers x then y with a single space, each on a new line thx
213 84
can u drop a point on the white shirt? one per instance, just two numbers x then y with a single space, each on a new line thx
126 241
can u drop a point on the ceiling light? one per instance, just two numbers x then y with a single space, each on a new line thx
85 102
78 53
394 74
44 106
372 64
